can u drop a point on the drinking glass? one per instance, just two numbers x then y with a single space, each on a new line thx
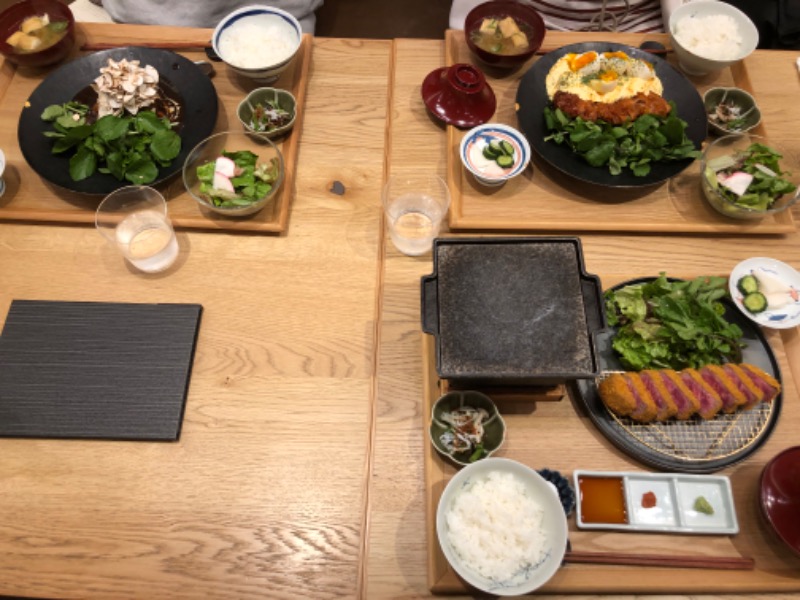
415 207
135 220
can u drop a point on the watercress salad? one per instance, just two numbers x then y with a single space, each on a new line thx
237 179
129 147
634 145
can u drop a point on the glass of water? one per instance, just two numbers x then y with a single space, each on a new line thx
135 220
415 206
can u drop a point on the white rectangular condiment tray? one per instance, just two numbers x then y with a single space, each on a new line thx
654 502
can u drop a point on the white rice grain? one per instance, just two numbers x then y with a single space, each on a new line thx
714 36
496 527
258 41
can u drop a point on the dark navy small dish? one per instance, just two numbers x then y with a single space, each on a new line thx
564 489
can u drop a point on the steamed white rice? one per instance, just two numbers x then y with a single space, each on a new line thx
713 36
496 527
258 41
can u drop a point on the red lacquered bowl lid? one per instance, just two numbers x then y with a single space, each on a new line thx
459 95
780 496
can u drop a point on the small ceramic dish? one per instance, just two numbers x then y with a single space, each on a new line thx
459 95
779 496
565 492
444 428
668 502
781 288
483 147
731 111
266 99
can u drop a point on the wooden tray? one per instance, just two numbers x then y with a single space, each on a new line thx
29 198
543 199
559 436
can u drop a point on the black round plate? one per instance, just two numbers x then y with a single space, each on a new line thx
756 352
532 99
197 95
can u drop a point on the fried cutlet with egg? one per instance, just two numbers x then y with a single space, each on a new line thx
617 112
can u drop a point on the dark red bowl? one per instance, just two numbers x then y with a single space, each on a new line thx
14 15
505 8
780 496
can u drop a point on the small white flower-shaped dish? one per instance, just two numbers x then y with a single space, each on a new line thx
786 281
487 170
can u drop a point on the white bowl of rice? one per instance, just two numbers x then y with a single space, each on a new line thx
258 41
708 36
501 527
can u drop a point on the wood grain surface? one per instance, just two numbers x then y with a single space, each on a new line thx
265 493
300 468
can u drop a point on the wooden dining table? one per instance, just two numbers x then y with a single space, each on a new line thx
300 470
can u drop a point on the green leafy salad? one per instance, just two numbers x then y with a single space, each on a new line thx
634 145
751 179
237 179
129 147
665 324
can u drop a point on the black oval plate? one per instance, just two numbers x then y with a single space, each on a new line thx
757 352
199 114
532 99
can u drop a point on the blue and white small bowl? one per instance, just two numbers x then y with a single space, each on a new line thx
252 28
785 316
485 170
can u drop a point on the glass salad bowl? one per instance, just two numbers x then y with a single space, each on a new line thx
234 173
749 177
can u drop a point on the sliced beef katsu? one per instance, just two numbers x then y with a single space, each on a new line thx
716 377
768 385
645 410
686 402
710 402
751 391
665 405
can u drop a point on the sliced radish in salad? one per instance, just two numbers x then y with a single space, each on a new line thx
225 166
222 182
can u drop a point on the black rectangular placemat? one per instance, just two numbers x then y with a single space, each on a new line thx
96 369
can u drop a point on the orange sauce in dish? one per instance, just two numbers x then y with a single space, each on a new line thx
602 500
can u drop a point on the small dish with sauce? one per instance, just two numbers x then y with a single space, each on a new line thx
678 503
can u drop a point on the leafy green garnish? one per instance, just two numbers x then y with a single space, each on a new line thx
666 324
768 184
634 145
478 454
252 182
129 147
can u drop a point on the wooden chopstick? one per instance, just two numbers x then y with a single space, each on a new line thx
178 45
656 560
